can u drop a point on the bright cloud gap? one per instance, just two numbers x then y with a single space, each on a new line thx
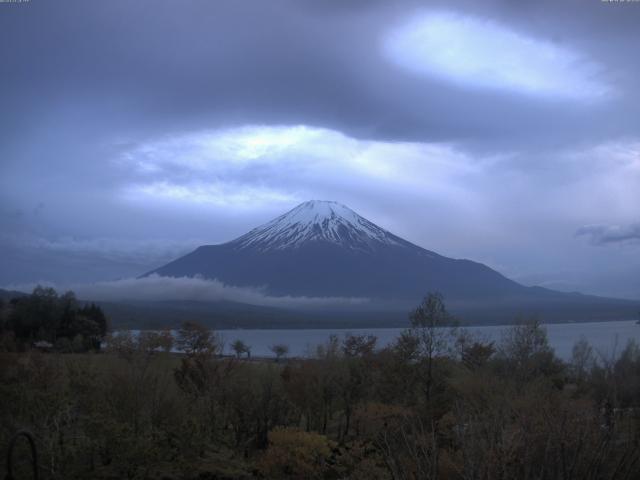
257 165
474 52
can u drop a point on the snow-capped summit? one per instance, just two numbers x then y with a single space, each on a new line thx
317 221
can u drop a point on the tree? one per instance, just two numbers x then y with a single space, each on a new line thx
166 340
240 348
330 349
44 315
194 339
353 375
96 315
122 343
359 345
3 315
295 454
36 317
477 354
280 350
473 351
428 322
431 313
582 359
149 341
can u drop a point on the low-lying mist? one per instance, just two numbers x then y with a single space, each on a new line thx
158 288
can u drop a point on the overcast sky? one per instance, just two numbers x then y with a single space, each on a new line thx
504 132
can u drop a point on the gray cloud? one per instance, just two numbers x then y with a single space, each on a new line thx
144 252
157 288
611 234
234 62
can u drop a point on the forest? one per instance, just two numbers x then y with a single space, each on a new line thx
438 403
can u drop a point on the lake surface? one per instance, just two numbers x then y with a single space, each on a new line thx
607 338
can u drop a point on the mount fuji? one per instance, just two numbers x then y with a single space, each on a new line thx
325 249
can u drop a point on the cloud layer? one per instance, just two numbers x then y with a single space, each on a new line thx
610 234
482 53
157 288
254 165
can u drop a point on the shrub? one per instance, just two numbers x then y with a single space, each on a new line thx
293 453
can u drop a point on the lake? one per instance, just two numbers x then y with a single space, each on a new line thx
607 338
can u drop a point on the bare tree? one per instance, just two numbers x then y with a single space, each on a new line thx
582 359
526 352
428 326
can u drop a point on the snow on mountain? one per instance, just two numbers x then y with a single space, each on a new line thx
317 221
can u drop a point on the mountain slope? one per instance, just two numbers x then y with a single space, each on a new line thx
10 294
324 249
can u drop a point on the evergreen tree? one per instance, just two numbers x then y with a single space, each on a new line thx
44 315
